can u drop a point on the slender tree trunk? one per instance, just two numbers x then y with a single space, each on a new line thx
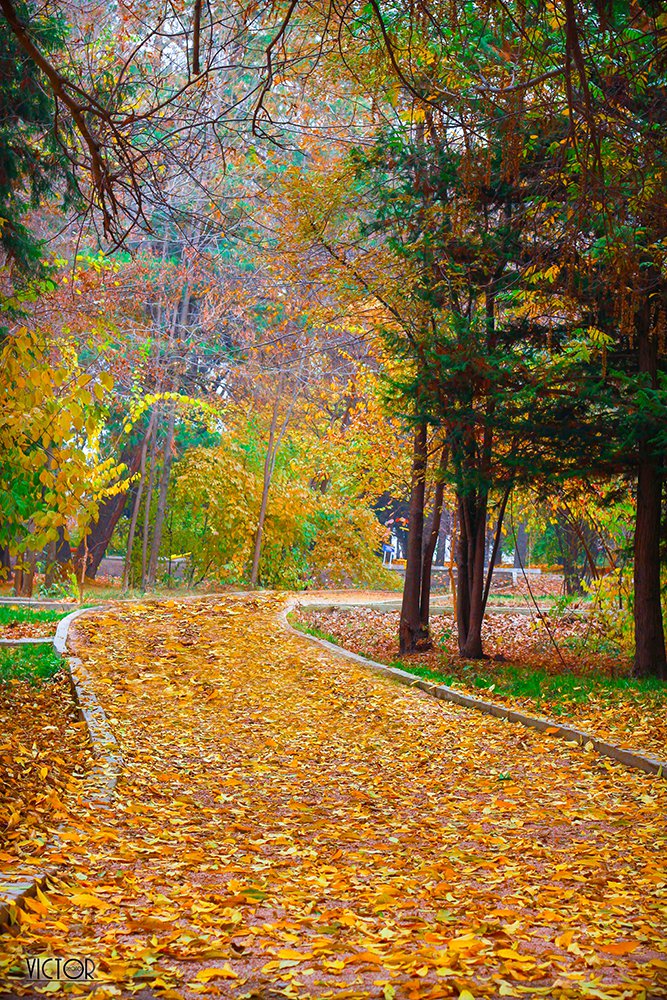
162 496
5 563
51 566
650 656
137 502
269 463
275 440
148 503
453 543
24 573
429 548
410 629
495 547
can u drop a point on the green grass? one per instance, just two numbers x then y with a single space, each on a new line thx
28 663
10 613
312 630
557 691
507 680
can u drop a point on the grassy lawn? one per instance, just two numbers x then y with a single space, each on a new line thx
28 663
14 613
506 680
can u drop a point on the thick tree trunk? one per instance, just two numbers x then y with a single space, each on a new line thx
470 576
5 563
50 567
63 555
429 547
521 546
650 656
101 530
162 497
410 632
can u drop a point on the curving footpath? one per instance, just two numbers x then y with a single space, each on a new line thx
290 823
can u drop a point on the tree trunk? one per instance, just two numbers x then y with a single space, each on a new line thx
470 577
63 555
275 440
50 565
109 515
5 563
650 656
137 501
495 549
520 546
147 505
429 547
269 463
453 546
162 497
410 632
24 573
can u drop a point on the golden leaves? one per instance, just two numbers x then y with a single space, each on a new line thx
316 831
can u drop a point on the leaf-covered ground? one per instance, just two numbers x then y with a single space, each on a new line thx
289 824
44 756
590 688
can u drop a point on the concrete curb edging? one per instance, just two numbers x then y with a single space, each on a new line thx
100 783
109 762
645 762
28 641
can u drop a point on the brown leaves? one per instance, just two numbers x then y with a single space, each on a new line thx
44 755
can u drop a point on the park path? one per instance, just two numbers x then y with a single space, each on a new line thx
289 824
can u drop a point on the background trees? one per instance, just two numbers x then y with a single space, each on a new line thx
460 208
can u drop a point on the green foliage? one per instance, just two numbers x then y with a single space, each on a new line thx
32 164
51 473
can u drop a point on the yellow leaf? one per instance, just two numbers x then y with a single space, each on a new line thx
205 975
87 899
620 947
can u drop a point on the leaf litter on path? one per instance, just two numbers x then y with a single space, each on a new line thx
290 824
636 720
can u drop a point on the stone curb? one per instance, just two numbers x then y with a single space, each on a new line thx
101 782
645 762
41 641
109 761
